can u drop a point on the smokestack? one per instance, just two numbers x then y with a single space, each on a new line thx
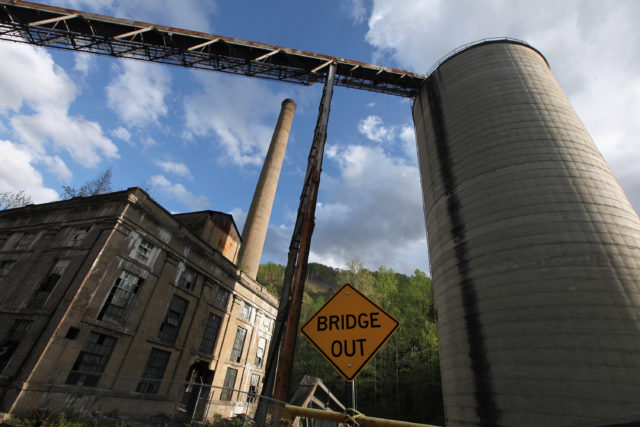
255 227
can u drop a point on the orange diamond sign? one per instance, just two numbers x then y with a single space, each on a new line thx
349 330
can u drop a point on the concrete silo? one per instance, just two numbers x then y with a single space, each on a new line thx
534 248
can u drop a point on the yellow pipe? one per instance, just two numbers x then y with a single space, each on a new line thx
290 412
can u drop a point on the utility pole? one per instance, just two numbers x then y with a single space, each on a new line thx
283 342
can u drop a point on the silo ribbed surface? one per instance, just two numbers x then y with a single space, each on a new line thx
534 248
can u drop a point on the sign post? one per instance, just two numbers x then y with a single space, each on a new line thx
349 330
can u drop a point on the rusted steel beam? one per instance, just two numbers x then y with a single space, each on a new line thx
34 23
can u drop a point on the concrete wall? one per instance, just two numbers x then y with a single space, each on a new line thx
534 248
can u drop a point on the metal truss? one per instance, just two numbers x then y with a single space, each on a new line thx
50 26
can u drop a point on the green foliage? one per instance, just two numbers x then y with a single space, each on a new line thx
42 418
271 276
402 381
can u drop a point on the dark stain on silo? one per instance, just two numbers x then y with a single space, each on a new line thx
486 410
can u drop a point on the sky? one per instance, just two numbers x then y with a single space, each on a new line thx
195 140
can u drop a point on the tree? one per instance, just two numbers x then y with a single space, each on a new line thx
100 185
10 199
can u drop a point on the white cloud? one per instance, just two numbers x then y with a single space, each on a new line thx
241 112
84 62
17 173
176 168
137 94
58 167
356 10
592 48
35 94
121 133
178 192
190 14
373 211
373 129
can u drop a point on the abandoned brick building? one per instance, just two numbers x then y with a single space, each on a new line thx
110 303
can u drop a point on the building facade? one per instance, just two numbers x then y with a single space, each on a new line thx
112 304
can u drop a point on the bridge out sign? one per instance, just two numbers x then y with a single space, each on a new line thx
349 330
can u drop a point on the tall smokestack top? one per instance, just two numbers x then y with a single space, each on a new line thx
257 223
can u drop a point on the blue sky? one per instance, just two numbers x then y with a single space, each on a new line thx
196 139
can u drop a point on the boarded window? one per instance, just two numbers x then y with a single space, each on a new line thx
120 300
229 383
92 360
210 333
48 283
10 343
262 344
238 344
222 298
154 371
173 319
78 235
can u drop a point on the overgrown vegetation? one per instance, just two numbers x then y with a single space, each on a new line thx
403 380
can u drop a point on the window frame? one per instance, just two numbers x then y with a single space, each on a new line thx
210 338
48 284
173 317
253 388
184 283
238 344
229 383
152 374
120 293
92 360
12 340
258 363
221 300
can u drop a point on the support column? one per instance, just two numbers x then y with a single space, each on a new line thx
257 223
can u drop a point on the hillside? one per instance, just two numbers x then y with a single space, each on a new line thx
402 381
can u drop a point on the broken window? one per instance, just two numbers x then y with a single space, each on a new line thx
78 235
173 319
187 279
121 297
48 283
210 333
229 383
222 297
253 388
10 343
238 344
153 372
262 344
143 251
5 267
92 360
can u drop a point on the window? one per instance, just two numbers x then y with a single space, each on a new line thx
187 279
210 333
12 340
222 297
78 235
24 241
262 344
247 310
92 360
143 251
253 388
229 383
5 267
120 299
238 344
48 283
173 319
266 324
154 371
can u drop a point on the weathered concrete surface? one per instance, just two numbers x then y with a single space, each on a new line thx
257 223
533 247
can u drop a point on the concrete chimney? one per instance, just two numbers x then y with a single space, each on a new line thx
255 228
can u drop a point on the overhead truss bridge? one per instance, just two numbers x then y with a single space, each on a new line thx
51 26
